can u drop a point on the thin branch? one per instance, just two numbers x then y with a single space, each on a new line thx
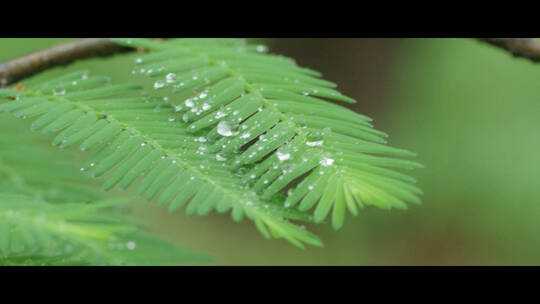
20 68
519 47
17 69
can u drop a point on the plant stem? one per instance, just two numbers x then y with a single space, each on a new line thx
62 54
528 48
28 65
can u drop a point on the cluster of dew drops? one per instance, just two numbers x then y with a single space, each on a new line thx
227 128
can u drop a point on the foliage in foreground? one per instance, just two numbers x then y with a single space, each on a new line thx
51 214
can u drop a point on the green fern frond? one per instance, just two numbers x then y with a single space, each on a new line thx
140 138
34 232
271 120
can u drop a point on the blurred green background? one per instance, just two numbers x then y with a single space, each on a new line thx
471 113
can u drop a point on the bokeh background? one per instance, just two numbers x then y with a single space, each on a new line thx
470 111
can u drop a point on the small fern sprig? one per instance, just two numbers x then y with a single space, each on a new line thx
137 137
270 119
42 194
34 232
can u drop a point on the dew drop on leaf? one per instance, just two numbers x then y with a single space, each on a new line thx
131 245
171 77
220 158
317 143
189 103
224 129
283 156
159 84
325 162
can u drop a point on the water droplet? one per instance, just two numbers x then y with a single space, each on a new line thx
131 245
224 129
189 103
220 158
171 77
317 143
159 84
325 162
61 92
220 114
283 156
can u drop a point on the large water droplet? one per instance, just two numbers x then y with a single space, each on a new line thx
189 103
224 129
171 77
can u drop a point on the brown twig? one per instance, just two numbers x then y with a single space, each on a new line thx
519 47
17 69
